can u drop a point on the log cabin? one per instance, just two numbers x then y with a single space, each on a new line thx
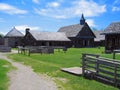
80 34
36 38
100 39
13 38
1 39
112 37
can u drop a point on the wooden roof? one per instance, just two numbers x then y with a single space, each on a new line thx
98 35
113 28
49 36
14 33
72 30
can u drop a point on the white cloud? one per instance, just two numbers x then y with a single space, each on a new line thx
115 8
23 27
4 33
2 20
60 16
116 2
53 4
116 5
36 1
11 9
91 23
89 8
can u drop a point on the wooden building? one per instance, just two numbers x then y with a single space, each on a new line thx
112 37
1 39
80 34
36 38
13 38
100 39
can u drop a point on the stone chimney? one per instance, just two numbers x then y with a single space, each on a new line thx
27 30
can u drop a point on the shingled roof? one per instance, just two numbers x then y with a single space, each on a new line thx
14 33
72 30
113 28
98 35
49 36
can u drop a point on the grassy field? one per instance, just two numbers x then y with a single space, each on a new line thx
5 67
50 64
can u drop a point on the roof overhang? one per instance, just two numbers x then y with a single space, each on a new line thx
109 33
55 40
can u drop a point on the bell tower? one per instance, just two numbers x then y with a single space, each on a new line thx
82 20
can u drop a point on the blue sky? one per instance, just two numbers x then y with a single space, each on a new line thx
50 15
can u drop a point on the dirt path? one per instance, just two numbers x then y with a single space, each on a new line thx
25 79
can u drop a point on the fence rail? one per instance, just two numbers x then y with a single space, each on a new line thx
39 49
114 52
94 66
5 48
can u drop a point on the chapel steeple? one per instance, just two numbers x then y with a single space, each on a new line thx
82 20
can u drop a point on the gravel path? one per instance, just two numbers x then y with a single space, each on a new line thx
25 79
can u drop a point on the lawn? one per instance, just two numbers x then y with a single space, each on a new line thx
5 67
50 64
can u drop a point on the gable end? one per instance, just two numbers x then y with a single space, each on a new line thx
86 32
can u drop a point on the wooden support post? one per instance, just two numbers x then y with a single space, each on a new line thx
29 52
18 50
83 64
21 50
24 51
113 54
97 66
115 75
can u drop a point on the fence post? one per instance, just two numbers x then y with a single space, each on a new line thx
97 64
115 75
28 52
113 54
83 64
18 50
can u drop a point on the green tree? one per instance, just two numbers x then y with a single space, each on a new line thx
1 35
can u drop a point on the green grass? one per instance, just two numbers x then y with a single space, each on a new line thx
50 64
5 67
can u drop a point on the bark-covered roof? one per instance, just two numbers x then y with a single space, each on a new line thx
113 28
72 30
49 36
14 33
98 35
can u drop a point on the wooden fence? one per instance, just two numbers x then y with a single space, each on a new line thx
114 52
35 49
5 48
94 66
